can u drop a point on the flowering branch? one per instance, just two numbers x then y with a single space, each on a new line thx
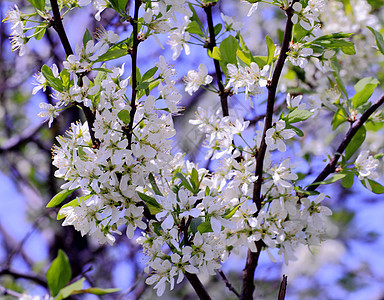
135 44
58 26
211 44
198 286
253 257
331 166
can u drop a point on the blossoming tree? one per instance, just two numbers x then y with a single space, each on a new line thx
261 191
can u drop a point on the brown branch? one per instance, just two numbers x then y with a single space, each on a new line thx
15 142
228 284
58 26
211 44
283 288
198 286
35 278
331 166
135 44
252 257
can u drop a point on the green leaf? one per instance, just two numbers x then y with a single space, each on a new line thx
299 32
244 56
195 224
228 48
39 4
73 203
153 206
98 291
364 89
215 53
39 32
154 185
149 74
218 28
374 186
194 28
271 49
347 181
295 129
333 179
185 182
124 116
339 118
65 78
59 273
51 80
71 289
114 52
336 73
355 143
87 37
260 60
233 211
59 197
298 115
205 227
379 39
195 17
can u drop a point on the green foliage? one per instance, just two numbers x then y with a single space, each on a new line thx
153 206
334 41
51 79
154 185
364 89
333 179
297 115
124 116
379 39
347 181
373 186
355 143
59 197
205 227
87 37
59 273
271 49
38 4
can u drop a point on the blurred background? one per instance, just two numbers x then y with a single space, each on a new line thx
350 265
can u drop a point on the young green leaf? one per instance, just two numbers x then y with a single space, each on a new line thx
355 143
59 273
347 181
153 206
154 185
124 116
228 48
51 79
364 89
87 37
97 291
60 197
379 39
38 4
194 28
185 182
333 179
373 186
271 49
297 115
205 227
148 75
72 289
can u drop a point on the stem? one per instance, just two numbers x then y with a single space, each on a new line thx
253 257
283 288
331 166
58 26
135 43
198 286
212 43
228 284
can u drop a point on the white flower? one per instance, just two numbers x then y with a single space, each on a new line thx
49 112
179 38
231 24
293 102
282 174
297 53
195 79
275 136
366 165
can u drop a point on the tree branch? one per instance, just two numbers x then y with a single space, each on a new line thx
135 43
283 288
198 286
228 284
32 277
331 166
252 257
58 26
211 44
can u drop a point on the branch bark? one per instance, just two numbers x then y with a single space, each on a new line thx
253 257
211 44
198 286
331 166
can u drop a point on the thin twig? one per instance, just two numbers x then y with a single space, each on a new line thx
16 274
211 44
228 284
331 166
